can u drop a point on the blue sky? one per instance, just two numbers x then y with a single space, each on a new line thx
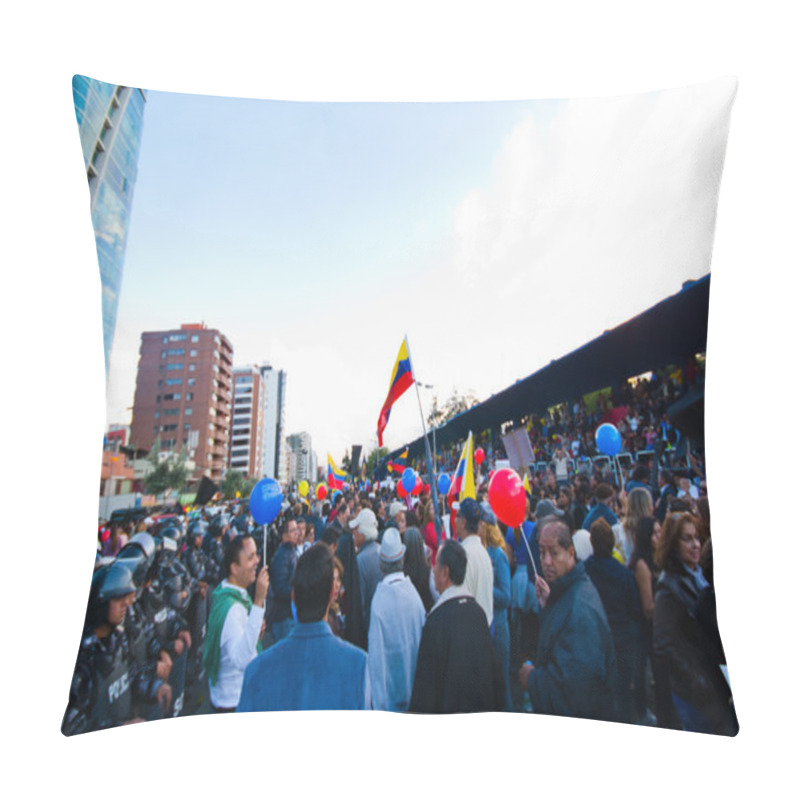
496 235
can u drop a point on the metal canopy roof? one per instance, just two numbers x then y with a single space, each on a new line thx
668 333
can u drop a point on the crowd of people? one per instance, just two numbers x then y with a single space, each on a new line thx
600 605
638 410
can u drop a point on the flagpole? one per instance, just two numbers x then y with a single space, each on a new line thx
437 523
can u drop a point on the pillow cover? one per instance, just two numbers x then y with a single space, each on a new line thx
274 254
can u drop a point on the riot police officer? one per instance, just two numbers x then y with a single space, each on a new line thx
106 682
214 547
170 630
153 662
196 563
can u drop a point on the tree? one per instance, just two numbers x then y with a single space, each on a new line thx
234 481
167 473
375 458
346 462
456 404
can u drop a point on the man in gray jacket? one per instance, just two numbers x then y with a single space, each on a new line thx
365 536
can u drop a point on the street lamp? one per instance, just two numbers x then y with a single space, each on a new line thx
433 430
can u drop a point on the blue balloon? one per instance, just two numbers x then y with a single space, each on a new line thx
265 501
409 479
443 484
608 440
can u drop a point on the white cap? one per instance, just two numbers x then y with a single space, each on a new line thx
366 523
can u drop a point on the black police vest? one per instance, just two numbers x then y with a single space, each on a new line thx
136 631
113 691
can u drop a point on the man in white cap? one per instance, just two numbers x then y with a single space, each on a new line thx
365 536
397 517
395 629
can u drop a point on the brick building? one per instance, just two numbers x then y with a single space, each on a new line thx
184 387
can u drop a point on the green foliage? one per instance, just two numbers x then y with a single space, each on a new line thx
455 405
169 473
375 457
235 481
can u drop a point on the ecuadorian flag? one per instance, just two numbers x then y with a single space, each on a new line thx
402 379
400 463
336 476
463 483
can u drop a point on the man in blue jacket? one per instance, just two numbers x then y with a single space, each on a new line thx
602 494
575 670
311 669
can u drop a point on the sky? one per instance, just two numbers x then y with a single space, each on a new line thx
496 236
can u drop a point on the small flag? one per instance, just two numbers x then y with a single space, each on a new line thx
402 379
526 483
463 483
339 475
399 464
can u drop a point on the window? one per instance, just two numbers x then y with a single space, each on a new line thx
165 340
190 382
187 412
166 428
178 337
172 382
171 412
192 367
189 396
176 351
193 353
187 427
155 416
173 396
175 366
163 354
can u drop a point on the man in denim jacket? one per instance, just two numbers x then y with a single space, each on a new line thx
311 669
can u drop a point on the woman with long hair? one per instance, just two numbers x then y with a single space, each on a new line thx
417 568
700 694
645 573
335 618
115 542
638 506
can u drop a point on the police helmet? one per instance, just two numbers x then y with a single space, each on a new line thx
173 530
218 523
108 582
138 555
197 527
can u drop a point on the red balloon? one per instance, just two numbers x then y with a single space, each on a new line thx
322 492
507 497
417 490
480 456
401 490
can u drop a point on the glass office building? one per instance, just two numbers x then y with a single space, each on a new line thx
110 123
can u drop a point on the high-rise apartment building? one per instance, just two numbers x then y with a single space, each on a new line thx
110 125
183 397
300 457
247 429
273 415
